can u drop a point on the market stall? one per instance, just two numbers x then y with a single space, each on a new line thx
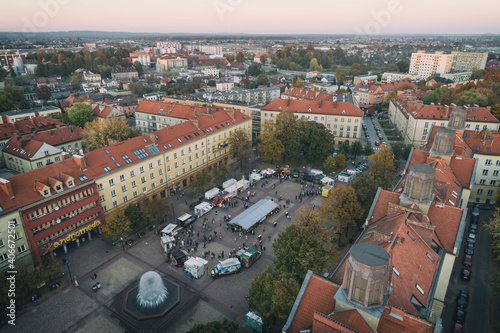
202 209
195 267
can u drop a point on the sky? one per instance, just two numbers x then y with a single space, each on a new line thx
367 17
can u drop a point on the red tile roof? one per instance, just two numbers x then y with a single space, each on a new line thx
352 319
175 110
22 147
447 220
443 113
314 107
102 110
27 126
318 296
308 94
487 143
407 323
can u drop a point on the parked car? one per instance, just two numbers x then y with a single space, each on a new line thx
459 328
468 260
483 206
473 228
469 249
194 204
475 211
377 143
257 171
463 299
466 272
460 316
471 238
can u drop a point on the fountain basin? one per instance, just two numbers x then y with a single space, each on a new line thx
132 307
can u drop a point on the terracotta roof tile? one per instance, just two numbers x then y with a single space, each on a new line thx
408 324
352 319
175 110
314 107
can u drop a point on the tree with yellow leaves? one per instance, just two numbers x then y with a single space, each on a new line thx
382 168
97 133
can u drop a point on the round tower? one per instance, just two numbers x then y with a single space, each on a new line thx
420 182
443 141
457 119
366 276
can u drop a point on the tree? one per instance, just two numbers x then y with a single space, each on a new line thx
299 249
136 218
240 57
313 65
328 165
342 210
494 227
270 147
285 128
339 161
62 116
383 171
43 92
80 114
220 173
344 148
439 95
202 181
340 75
391 95
138 88
273 293
263 59
97 133
117 225
315 140
403 66
368 150
357 148
240 146
482 97
366 190
262 80
154 210
298 82
230 58
254 69
75 81
139 68
224 326
3 73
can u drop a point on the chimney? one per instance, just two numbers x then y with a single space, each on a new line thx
230 113
80 161
5 120
64 155
6 186
112 141
152 137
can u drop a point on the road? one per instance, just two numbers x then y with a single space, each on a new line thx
479 314
370 123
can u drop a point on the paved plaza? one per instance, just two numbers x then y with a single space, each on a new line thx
80 309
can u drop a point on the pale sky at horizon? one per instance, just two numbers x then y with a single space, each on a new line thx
254 16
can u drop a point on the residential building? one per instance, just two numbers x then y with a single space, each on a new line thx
208 49
457 76
91 77
392 77
376 94
224 86
102 111
169 63
248 96
341 118
241 107
211 72
14 115
90 46
68 201
124 73
152 116
365 79
315 95
414 120
483 146
468 61
29 152
426 64
167 47
143 57
128 106
257 57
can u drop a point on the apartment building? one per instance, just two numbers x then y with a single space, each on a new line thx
241 107
14 115
124 73
208 49
154 115
102 111
376 94
315 95
91 77
485 148
468 61
29 152
414 120
143 57
342 119
169 63
64 204
426 64
248 96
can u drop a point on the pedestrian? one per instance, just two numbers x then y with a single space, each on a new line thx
98 286
186 202
220 223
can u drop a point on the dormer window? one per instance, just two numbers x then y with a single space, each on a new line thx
70 183
58 188
46 192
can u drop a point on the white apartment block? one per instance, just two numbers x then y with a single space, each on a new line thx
468 61
426 64
208 49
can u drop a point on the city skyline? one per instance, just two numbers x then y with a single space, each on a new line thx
256 17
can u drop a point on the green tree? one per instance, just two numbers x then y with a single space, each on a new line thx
240 146
342 210
368 150
316 141
154 210
298 82
366 190
403 66
80 114
263 59
202 181
3 73
340 75
117 225
139 68
254 69
43 92
136 218
240 57
220 173
269 146
138 88
224 326
439 95
494 227
383 170
62 116
75 81
286 132
340 161
344 148
262 80
273 293
328 165
482 97
357 148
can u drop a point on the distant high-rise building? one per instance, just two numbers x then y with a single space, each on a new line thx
426 64
468 61
208 49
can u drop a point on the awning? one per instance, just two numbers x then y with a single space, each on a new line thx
255 214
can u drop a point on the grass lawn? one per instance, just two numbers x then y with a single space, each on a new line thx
390 132
394 138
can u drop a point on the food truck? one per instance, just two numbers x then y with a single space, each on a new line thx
195 267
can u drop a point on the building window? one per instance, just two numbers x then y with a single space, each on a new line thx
482 182
21 249
122 178
143 179
103 198
495 173
141 169
135 194
420 289
113 193
480 191
160 172
115 203
104 208
359 291
493 183
132 173
134 184
39 164
490 192
152 175
485 172
487 162
3 257
124 188
111 182
125 198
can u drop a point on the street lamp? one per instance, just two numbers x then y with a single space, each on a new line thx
121 238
